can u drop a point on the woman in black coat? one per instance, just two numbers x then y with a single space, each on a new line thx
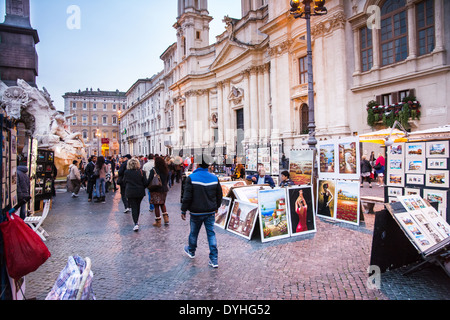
135 183
159 194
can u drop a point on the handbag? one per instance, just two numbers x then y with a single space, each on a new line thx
155 183
378 166
24 250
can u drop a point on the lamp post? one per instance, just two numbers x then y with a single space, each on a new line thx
98 142
120 132
305 9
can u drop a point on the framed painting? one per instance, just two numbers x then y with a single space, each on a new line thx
326 198
395 179
437 149
326 151
415 150
222 213
248 194
347 201
301 166
439 196
348 158
395 192
417 179
228 185
412 192
242 219
273 215
415 166
301 210
413 231
437 178
434 163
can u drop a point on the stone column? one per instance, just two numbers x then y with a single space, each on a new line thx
266 105
221 113
412 34
254 107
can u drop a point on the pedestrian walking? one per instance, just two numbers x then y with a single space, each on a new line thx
148 166
366 171
90 178
120 182
202 197
100 171
75 178
159 194
379 169
23 189
135 184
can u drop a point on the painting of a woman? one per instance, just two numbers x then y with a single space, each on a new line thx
301 209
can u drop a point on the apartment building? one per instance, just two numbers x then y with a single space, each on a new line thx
96 114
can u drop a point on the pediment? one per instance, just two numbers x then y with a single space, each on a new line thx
230 52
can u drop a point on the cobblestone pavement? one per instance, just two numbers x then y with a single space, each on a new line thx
150 264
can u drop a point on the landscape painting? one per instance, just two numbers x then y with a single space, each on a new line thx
273 214
347 201
301 166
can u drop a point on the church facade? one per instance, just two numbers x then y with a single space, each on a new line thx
250 88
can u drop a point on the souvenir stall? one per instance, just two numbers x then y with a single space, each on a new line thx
417 165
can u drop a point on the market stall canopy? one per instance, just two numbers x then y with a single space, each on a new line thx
381 136
439 133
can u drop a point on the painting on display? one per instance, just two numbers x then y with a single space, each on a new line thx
437 163
327 155
251 162
301 210
275 160
222 213
437 178
227 185
248 194
413 231
242 219
326 198
273 215
437 149
395 173
301 166
264 159
439 196
347 201
348 158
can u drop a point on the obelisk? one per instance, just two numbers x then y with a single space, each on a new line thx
18 56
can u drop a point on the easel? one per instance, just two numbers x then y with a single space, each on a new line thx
437 254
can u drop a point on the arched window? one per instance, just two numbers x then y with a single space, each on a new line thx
304 118
394 32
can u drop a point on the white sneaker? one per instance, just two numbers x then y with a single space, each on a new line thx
74 195
126 210
136 228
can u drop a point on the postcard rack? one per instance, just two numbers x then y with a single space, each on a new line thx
434 254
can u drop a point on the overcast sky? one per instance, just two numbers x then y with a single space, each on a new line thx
118 41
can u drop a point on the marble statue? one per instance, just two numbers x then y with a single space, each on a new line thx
35 108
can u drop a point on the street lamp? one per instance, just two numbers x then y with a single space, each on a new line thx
306 9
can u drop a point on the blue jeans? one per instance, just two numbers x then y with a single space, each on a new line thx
100 183
152 207
196 222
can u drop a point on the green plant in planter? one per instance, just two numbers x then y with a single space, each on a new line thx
372 118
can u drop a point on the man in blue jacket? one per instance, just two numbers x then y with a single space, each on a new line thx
262 178
202 197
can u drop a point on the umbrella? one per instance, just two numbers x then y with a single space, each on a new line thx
382 136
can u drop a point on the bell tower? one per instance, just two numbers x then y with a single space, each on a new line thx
192 26
18 56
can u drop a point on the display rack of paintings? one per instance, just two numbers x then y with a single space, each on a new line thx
251 159
339 159
264 159
8 176
275 159
423 225
242 220
419 168
44 170
301 166
228 185
222 213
